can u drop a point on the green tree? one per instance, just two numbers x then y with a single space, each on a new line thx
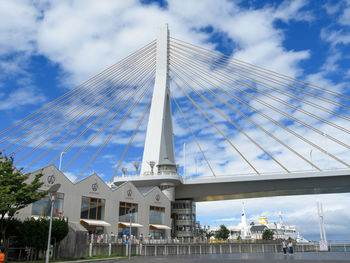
33 233
15 192
267 234
222 233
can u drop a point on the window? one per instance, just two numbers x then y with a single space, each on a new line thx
156 215
183 228
92 208
122 230
184 217
157 234
42 207
127 209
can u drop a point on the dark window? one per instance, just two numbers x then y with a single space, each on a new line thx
156 215
126 210
42 207
92 208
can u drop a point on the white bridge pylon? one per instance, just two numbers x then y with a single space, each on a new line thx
159 144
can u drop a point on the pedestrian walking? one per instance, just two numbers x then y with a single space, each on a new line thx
290 248
2 256
284 246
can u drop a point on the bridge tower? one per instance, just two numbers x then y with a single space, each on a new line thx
159 144
158 162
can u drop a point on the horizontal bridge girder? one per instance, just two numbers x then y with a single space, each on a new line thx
241 187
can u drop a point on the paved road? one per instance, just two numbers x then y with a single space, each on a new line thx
267 257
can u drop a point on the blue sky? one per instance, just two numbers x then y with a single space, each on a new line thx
46 49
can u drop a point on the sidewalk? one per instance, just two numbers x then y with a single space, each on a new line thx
100 260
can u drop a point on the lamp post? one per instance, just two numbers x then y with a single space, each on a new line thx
130 215
53 189
137 166
152 164
59 167
124 170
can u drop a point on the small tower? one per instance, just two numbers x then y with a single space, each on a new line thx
323 241
245 228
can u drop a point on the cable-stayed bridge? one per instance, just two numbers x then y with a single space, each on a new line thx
232 110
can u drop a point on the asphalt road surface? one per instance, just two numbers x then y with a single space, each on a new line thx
267 257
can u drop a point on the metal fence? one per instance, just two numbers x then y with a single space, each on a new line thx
196 248
190 249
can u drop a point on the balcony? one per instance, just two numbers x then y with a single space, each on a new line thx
184 222
184 234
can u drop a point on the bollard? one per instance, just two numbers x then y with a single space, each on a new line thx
90 250
230 249
263 248
200 249
177 250
109 249
239 248
220 249
127 250
155 250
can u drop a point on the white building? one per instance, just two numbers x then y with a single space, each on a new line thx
93 205
254 231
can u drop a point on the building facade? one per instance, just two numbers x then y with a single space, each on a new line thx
183 214
100 209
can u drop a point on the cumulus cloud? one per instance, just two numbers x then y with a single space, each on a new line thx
21 97
18 26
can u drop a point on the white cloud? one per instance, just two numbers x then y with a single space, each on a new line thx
18 23
21 97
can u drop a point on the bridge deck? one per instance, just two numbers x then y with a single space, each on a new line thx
251 186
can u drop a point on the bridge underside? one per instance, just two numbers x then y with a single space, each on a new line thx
263 186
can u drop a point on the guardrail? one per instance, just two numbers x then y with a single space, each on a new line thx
192 249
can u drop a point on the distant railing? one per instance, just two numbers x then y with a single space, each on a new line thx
164 248
163 173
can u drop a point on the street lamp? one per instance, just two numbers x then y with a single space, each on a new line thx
124 170
152 164
137 166
130 215
59 167
53 189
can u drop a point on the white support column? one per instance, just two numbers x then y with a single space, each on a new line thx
159 142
